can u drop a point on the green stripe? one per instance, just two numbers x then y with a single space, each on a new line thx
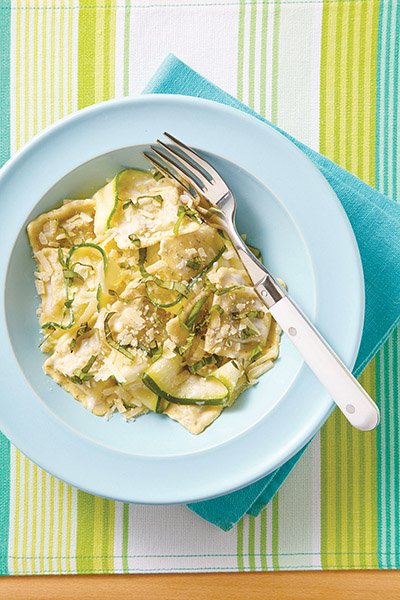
4 156
251 544
275 532
125 537
396 101
86 55
387 363
395 393
96 82
263 60
239 545
87 34
263 539
85 532
348 460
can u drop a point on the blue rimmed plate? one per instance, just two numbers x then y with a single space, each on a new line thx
286 208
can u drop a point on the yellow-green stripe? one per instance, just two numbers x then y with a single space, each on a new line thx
348 457
96 82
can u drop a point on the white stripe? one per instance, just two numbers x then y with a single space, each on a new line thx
314 85
163 538
297 521
118 534
299 66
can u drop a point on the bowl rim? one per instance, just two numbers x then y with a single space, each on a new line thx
252 474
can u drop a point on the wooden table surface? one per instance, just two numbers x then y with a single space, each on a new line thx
339 585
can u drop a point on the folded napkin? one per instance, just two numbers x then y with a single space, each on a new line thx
376 223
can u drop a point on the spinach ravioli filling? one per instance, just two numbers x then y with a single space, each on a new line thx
144 307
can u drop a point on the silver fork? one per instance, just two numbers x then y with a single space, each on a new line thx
200 179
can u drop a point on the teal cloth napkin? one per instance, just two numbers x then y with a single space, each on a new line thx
376 223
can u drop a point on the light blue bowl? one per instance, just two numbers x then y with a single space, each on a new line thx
287 209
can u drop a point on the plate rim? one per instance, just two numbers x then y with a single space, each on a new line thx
297 445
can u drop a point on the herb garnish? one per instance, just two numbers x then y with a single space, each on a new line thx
247 332
184 211
81 375
110 340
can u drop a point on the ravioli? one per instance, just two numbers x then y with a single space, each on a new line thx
145 307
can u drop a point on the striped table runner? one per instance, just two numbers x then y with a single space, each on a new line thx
327 72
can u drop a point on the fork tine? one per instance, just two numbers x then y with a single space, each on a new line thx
178 168
167 173
195 157
192 168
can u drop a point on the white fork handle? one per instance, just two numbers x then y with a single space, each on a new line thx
351 398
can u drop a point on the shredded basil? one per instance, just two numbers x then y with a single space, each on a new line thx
84 328
81 375
190 285
251 314
83 265
255 353
226 290
129 203
184 211
67 236
177 286
181 350
46 338
68 303
207 268
110 340
87 245
190 321
217 308
158 198
155 350
135 240
247 332
70 275
206 360
53 325
194 263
